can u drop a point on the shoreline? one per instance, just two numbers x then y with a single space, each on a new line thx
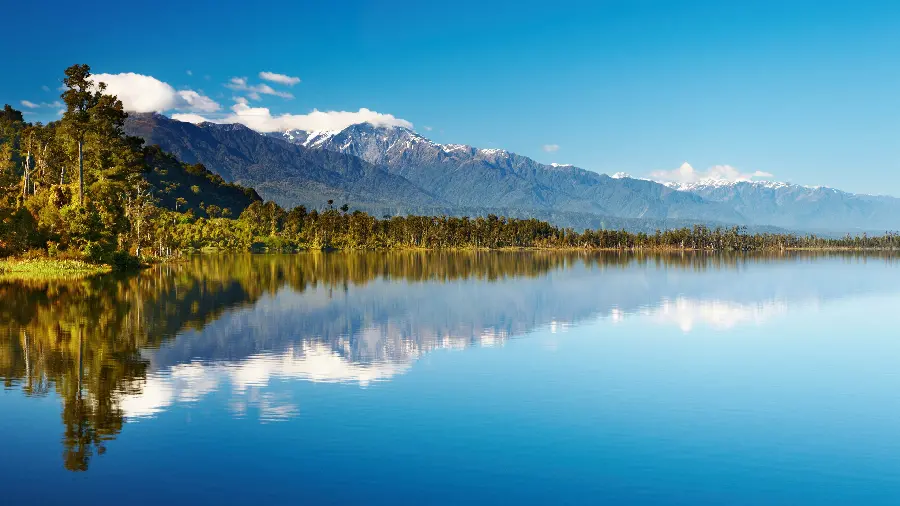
50 269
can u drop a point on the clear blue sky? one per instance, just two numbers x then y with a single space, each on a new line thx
805 90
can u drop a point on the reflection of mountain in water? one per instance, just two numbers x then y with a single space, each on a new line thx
385 320
118 348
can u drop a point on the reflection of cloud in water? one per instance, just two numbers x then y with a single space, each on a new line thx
315 362
309 361
717 314
183 383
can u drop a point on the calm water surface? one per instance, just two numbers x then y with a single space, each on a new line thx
502 378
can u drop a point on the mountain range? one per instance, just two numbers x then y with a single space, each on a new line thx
394 170
288 174
808 208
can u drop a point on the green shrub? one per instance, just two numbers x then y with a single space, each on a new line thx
123 261
95 252
34 254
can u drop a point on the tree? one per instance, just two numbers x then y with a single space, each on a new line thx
11 126
11 115
28 135
79 98
140 210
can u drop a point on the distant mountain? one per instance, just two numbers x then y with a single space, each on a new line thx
468 177
288 174
394 170
801 207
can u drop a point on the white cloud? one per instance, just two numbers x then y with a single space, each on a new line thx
254 91
551 148
688 174
428 128
189 118
279 78
189 72
45 88
140 93
262 120
197 102
34 105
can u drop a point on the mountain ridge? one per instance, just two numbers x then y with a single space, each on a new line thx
288 174
801 207
399 171
466 176
750 203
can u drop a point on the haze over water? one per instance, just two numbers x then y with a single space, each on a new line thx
438 378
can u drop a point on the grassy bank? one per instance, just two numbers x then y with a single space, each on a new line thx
48 268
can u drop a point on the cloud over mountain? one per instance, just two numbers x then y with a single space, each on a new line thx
262 120
688 174
142 93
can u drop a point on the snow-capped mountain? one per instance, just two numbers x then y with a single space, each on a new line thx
466 176
706 184
396 170
800 207
288 174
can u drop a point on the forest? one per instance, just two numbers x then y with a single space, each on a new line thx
79 188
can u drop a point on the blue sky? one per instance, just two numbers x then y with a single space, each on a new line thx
807 91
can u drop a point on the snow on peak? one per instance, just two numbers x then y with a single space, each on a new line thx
453 147
555 165
724 183
309 139
621 175
318 137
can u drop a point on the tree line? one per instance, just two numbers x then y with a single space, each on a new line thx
79 187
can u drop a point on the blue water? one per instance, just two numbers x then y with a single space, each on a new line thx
757 381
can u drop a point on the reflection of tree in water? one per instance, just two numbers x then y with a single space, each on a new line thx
83 339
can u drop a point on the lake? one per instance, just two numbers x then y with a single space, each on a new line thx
457 378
